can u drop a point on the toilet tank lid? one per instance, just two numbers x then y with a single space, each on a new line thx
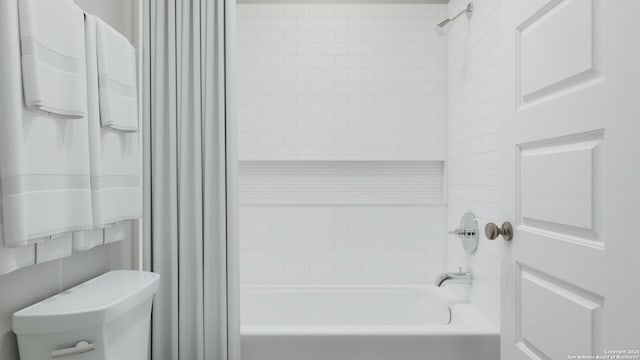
92 303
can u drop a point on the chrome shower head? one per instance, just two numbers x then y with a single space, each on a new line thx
443 27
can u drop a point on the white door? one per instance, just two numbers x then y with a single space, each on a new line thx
571 274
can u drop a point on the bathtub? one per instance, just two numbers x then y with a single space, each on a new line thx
362 323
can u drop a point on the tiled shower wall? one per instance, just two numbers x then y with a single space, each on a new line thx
342 244
326 85
474 145
342 81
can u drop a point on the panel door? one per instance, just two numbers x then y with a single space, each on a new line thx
572 177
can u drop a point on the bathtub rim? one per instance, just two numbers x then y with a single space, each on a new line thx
465 320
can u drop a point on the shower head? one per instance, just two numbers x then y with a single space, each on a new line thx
445 25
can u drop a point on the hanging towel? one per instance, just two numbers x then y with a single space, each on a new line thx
12 259
116 181
85 240
51 33
117 79
120 231
44 159
53 248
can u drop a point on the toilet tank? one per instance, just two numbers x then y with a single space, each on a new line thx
105 318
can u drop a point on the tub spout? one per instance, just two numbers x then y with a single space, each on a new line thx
454 278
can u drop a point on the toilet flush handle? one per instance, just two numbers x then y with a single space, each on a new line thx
80 348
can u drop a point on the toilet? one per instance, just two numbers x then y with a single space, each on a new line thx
105 318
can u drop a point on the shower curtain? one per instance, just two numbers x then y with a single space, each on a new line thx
189 221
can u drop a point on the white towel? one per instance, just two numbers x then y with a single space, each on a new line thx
12 259
44 159
51 33
85 240
116 181
117 79
53 248
120 231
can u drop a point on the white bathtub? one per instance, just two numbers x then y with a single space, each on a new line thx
363 323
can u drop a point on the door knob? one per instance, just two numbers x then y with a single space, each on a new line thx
492 231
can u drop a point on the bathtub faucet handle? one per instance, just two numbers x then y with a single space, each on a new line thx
462 232
468 232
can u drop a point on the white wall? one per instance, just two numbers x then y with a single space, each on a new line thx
341 81
344 82
474 145
34 283
342 245
120 14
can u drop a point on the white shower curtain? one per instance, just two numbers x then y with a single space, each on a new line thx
190 223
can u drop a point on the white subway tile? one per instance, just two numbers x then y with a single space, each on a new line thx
472 154
351 81
295 10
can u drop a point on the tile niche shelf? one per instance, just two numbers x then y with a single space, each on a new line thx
342 182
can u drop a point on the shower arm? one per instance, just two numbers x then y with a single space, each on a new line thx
466 10
460 13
